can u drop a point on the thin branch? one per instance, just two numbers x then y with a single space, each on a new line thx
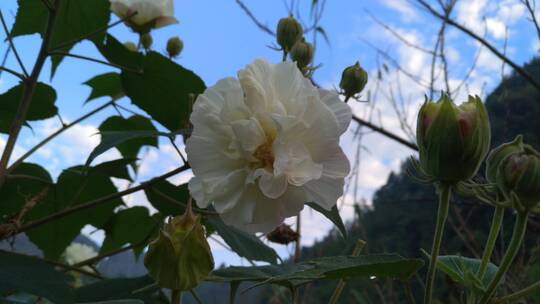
98 201
386 133
27 94
111 64
248 12
12 45
470 33
399 36
111 253
56 133
12 72
181 204
86 36
533 19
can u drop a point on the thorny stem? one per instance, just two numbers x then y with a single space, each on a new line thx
520 227
442 214
496 223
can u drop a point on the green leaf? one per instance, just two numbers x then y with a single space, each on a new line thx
112 139
164 196
332 215
115 52
105 85
118 289
463 270
21 273
41 107
129 148
128 226
163 90
27 181
336 267
74 187
114 168
244 244
74 19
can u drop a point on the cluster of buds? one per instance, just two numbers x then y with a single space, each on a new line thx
290 37
452 140
515 168
180 258
353 80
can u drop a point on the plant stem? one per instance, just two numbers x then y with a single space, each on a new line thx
442 214
176 297
12 72
114 65
96 202
520 227
408 292
339 288
12 45
496 223
518 294
56 133
28 92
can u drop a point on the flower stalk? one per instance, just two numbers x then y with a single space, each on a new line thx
517 238
496 223
442 215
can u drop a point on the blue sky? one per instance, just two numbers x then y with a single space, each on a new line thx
220 39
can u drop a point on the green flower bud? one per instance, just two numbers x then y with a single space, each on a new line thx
302 53
288 32
499 154
353 80
519 173
131 46
452 140
180 258
174 47
146 41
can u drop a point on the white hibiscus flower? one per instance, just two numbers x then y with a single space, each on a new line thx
265 144
150 14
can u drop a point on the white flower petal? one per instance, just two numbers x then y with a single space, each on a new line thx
324 191
273 186
249 133
341 110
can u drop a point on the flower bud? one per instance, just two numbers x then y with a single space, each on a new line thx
289 31
499 154
353 80
452 140
131 46
146 41
519 174
302 53
174 47
180 258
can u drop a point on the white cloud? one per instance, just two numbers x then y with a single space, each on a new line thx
406 11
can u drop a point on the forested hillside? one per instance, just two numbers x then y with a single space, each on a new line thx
402 217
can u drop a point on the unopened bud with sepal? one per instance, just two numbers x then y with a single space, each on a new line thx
302 54
353 80
180 258
288 32
174 47
452 140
